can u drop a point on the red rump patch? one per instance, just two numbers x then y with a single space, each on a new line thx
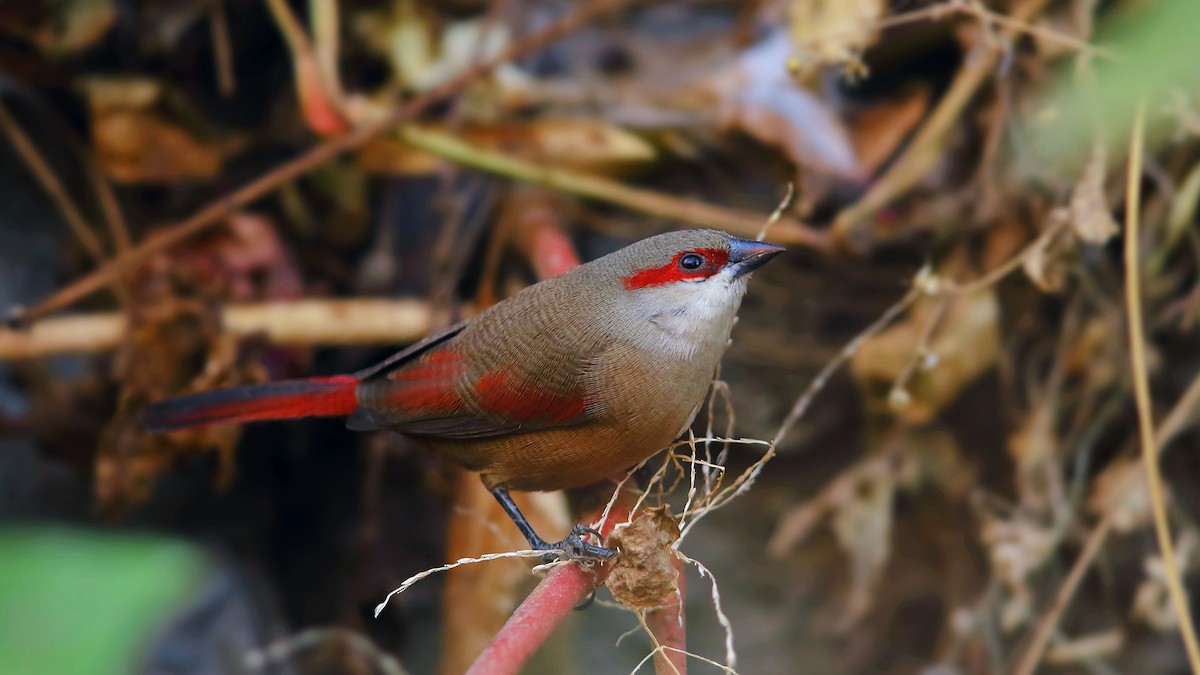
714 260
498 396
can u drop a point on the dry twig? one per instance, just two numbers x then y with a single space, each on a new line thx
1141 389
1153 443
51 184
922 152
222 51
785 230
303 322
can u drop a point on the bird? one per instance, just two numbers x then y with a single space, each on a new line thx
565 383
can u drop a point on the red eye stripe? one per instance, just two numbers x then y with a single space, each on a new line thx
714 260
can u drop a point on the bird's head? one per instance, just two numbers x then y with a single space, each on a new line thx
688 284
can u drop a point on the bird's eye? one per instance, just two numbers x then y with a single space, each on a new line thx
691 262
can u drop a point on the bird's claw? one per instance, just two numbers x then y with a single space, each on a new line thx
581 530
573 547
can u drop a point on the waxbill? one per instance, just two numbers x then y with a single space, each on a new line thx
568 382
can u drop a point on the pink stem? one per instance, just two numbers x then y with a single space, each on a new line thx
543 610
551 251
669 627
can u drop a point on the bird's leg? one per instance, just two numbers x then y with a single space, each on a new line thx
573 545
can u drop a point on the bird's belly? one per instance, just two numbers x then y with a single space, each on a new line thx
556 459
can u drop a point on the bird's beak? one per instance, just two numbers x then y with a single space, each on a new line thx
747 255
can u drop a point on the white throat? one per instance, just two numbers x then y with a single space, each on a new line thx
687 317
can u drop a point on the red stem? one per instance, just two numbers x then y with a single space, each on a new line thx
544 609
550 250
669 626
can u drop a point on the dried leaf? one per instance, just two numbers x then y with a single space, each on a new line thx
758 96
60 29
1016 548
965 344
422 59
136 143
1097 352
859 506
1121 490
1047 265
643 575
1034 449
878 131
1152 600
1087 648
862 523
1091 219
158 352
940 460
833 32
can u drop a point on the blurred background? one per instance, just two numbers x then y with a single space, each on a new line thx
202 193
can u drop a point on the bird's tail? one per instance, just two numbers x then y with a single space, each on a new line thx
286 399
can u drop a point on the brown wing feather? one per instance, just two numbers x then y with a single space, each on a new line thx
483 381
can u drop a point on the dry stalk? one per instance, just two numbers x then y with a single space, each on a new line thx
1153 442
117 226
660 665
1011 265
1062 599
222 51
787 230
1141 390
922 152
986 16
818 383
486 557
51 184
1179 418
302 322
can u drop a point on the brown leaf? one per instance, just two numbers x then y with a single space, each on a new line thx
880 129
863 526
643 576
159 352
136 143
1016 548
59 29
964 345
1152 600
757 95
1091 219
833 32
1121 490
424 54
1047 266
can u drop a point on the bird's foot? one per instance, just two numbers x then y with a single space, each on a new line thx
574 547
